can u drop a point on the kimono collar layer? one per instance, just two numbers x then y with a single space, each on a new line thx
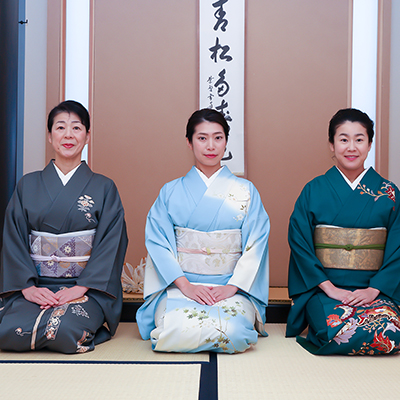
210 180
63 197
65 177
208 200
355 183
349 197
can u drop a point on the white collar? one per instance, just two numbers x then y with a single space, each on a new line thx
210 180
355 183
67 177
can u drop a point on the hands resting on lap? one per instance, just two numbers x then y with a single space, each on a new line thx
46 299
204 294
356 298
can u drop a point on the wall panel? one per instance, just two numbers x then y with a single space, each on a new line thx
297 74
145 87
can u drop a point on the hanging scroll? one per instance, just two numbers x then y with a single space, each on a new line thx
221 77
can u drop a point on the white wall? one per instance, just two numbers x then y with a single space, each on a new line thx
394 121
35 85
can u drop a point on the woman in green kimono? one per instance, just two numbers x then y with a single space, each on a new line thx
344 235
64 244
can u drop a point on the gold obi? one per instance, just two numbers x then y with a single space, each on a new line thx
350 248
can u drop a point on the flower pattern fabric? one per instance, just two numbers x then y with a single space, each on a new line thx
378 319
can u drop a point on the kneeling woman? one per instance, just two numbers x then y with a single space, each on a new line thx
206 278
344 235
64 245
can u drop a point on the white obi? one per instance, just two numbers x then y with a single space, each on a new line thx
208 253
61 256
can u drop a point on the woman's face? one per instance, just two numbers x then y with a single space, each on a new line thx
68 137
208 146
351 147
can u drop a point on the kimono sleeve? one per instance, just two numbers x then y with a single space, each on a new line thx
387 279
161 246
305 270
103 270
18 271
251 272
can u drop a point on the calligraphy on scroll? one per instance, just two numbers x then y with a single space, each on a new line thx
221 76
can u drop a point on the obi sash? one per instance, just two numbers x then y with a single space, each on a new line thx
350 248
61 256
208 253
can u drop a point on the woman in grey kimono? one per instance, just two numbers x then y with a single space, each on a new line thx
64 244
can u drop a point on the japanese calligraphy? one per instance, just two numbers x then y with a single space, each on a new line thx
223 55
219 15
221 72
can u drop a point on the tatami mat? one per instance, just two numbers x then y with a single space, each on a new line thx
99 381
279 368
275 368
126 345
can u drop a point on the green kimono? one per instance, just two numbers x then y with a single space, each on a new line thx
334 328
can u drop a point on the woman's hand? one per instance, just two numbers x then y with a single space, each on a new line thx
223 292
69 294
42 296
358 298
362 297
334 292
200 293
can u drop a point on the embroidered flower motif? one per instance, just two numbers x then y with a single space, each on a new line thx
79 311
85 203
67 249
238 217
20 332
348 330
379 317
89 217
387 189
390 192
79 344
333 320
202 319
382 343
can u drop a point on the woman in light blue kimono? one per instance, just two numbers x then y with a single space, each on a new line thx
206 278
344 235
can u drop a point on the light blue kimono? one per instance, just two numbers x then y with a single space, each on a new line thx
229 203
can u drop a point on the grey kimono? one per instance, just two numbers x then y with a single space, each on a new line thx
89 209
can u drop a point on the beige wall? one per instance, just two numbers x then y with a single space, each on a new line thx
144 60
297 77
145 78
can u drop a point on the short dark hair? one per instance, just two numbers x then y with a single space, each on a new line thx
206 115
351 115
69 106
